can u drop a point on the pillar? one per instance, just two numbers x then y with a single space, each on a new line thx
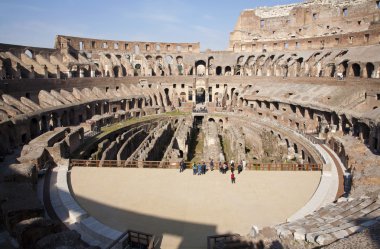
81 73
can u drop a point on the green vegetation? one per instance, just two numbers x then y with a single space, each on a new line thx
177 113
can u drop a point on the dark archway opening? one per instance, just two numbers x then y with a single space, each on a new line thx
219 70
370 68
356 69
200 96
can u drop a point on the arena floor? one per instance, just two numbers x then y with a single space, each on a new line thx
185 209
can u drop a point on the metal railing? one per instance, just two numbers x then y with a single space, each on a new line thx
133 239
188 165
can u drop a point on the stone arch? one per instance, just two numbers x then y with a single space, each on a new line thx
356 70
218 70
295 148
137 70
29 53
116 71
200 66
227 70
166 90
370 68
342 67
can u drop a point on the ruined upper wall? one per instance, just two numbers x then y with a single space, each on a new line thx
97 45
310 19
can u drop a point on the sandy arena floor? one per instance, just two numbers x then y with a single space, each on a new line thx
185 209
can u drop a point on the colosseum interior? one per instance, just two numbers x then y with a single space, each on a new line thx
93 133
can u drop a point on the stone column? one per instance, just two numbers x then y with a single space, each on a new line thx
69 74
136 103
92 73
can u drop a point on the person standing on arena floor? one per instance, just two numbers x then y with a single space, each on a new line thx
194 168
212 165
232 166
181 166
199 168
240 167
203 168
233 178
225 168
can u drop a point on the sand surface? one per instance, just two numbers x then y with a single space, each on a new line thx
185 209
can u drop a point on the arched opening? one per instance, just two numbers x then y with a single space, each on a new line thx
200 67
137 70
369 68
227 70
218 70
166 90
211 120
116 72
200 96
29 53
356 70
237 69
34 128
365 132
295 148
287 143
180 68
344 67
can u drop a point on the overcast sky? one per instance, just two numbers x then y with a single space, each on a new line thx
37 22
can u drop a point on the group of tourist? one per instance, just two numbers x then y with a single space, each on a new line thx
202 168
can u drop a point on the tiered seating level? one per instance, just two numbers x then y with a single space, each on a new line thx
334 221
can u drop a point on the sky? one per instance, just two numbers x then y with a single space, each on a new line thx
37 22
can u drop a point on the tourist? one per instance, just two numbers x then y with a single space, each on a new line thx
240 168
199 168
232 166
244 164
225 168
181 166
212 165
203 168
194 168
220 166
232 177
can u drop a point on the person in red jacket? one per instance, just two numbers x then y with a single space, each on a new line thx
232 177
